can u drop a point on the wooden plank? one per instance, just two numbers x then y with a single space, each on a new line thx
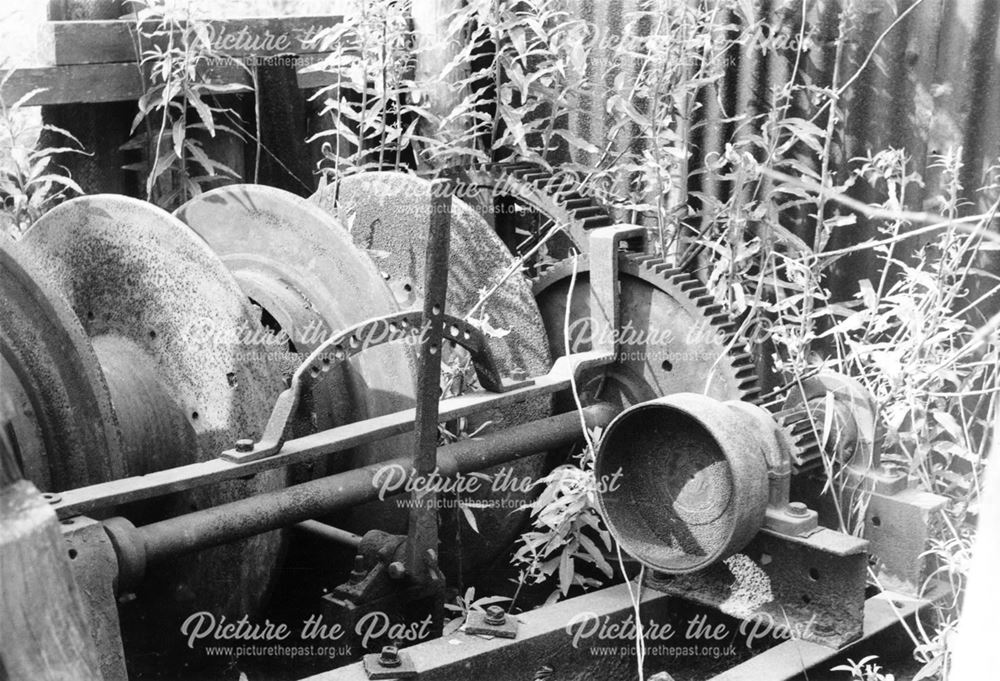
104 42
119 82
42 626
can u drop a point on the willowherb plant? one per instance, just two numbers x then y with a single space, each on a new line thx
567 530
31 181
174 48
370 62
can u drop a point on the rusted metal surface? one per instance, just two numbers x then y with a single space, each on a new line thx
605 307
794 659
899 527
545 648
422 530
56 410
389 214
554 198
309 447
354 341
44 625
815 584
299 265
674 337
95 569
328 533
693 483
235 520
138 278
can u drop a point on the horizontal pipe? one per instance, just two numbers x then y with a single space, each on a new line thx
326 532
272 510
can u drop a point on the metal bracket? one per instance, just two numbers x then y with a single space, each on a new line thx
343 346
95 568
899 526
814 586
898 522
605 244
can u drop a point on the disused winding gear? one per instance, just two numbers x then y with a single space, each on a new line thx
643 276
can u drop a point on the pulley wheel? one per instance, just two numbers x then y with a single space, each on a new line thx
301 267
55 408
174 336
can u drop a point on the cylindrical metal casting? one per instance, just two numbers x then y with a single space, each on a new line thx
683 480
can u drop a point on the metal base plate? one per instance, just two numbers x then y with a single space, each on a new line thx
813 586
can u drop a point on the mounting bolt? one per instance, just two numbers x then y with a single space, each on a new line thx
244 445
518 374
51 497
495 616
397 570
389 657
358 573
797 508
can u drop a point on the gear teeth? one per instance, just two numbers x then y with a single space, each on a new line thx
655 269
544 192
565 205
807 452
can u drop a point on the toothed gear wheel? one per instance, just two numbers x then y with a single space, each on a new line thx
674 336
807 452
551 196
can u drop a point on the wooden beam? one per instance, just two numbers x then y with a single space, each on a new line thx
119 82
108 42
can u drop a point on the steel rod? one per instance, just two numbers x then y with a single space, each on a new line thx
329 533
272 510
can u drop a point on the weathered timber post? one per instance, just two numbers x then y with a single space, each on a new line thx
102 128
42 625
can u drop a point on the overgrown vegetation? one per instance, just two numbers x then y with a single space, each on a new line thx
31 180
178 109
920 335
526 73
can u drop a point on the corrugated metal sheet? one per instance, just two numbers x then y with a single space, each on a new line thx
929 83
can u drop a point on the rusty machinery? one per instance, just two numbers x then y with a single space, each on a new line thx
186 387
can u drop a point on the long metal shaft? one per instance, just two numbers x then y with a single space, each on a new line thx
272 510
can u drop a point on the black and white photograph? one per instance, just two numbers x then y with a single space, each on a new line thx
500 340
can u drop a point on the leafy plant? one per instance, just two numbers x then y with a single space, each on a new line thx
465 603
914 335
31 181
175 51
864 669
568 530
